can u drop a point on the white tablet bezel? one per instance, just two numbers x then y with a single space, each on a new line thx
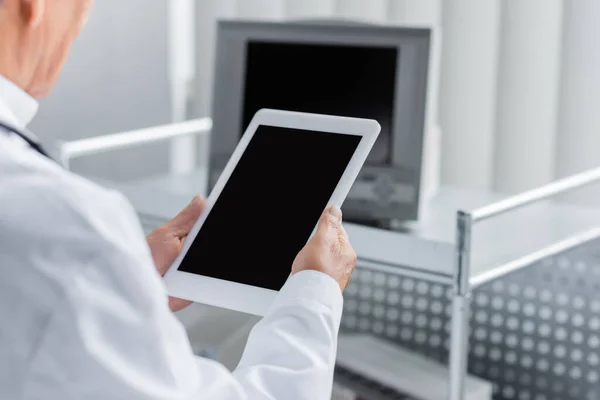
242 297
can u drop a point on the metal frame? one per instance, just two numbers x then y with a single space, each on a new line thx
68 151
463 285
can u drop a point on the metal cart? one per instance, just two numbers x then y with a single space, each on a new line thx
509 290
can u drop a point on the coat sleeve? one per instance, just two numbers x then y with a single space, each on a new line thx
112 335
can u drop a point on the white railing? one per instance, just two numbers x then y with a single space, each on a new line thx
463 285
68 151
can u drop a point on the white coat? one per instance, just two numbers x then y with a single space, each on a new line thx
84 314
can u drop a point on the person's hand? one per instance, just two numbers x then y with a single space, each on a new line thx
329 251
166 242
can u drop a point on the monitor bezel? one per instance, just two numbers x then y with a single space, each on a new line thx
410 119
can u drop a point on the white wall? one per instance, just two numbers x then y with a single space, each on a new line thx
471 32
182 49
528 94
117 78
578 143
515 81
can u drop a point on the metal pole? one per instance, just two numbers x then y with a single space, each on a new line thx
530 259
545 192
68 151
461 302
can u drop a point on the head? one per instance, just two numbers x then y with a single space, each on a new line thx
35 39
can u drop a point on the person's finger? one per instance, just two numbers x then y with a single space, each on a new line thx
351 255
176 304
181 225
330 220
343 235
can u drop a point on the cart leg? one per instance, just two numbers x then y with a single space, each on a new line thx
459 339
461 302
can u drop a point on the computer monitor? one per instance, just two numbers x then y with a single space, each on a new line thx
333 68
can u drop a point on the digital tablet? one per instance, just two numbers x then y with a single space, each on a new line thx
286 170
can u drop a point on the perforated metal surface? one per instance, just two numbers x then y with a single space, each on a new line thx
408 311
534 333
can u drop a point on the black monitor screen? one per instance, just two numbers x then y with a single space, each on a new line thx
284 175
340 80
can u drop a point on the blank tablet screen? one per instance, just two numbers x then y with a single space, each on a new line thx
269 206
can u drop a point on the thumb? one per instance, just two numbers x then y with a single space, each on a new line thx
181 225
330 221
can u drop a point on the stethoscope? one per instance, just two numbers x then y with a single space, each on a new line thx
32 143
